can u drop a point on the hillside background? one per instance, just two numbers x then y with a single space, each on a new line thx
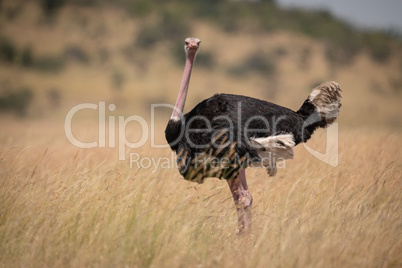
55 54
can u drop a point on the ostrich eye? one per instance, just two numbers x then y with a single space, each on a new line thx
199 42
186 43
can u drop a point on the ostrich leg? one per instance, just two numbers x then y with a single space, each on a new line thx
243 200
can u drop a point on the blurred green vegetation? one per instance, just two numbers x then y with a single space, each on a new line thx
11 54
16 100
165 23
77 54
51 6
8 51
258 62
176 17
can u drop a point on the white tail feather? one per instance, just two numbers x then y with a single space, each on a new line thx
274 148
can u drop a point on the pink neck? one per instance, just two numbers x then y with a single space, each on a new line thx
181 98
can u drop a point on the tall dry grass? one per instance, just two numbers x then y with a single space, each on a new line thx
62 206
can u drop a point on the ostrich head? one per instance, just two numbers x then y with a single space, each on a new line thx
192 45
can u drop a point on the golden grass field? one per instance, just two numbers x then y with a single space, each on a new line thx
62 206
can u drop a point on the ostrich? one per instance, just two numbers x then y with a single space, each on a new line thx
226 133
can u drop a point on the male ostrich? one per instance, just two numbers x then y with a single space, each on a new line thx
226 133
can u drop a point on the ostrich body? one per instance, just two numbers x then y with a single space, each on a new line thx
226 133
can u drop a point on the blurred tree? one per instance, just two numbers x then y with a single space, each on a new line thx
173 24
75 53
8 52
140 8
17 101
378 46
27 57
51 6
258 63
48 64
148 36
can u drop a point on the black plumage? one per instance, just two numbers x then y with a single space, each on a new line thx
236 119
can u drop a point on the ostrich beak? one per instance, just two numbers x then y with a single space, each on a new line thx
192 45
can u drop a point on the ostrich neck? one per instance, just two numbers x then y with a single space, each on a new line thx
181 98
